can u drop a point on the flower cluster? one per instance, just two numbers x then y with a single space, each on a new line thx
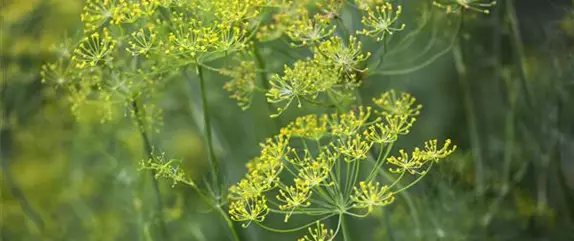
380 20
314 164
367 4
371 195
303 22
304 81
454 6
320 233
131 46
310 79
243 82
166 169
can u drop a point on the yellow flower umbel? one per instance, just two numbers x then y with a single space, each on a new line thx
379 21
317 161
294 197
343 57
309 127
306 80
432 153
380 133
97 12
455 6
367 4
410 164
371 195
249 210
95 49
315 172
397 104
320 233
308 30
354 148
347 124
419 158
242 84
142 41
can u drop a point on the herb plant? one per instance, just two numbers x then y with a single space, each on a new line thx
339 163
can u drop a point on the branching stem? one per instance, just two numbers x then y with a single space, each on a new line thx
149 153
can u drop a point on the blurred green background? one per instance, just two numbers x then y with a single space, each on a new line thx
506 97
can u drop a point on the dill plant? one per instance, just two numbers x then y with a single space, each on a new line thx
318 165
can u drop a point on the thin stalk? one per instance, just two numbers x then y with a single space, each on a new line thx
19 195
345 229
355 177
290 230
148 151
229 223
380 161
216 173
265 82
412 183
470 117
518 47
215 169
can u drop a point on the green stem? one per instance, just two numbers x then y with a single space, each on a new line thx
345 229
412 183
470 117
276 230
148 150
265 82
518 47
19 195
380 161
216 175
229 224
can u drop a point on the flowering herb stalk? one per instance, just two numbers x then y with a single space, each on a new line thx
315 166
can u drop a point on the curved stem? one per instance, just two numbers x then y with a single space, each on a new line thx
216 175
302 211
423 64
338 228
292 229
19 195
229 224
358 215
414 182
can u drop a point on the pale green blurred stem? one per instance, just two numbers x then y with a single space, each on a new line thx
345 228
216 171
470 117
518 47
229 223
148 151
19 195
265 81
214 164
